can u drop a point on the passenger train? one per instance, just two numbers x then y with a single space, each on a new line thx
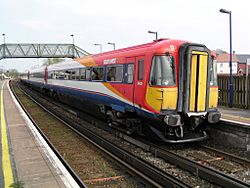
166 89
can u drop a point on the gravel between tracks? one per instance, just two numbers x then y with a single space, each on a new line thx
88 162
185 176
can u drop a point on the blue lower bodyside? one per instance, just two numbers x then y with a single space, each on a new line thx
94 103
96 98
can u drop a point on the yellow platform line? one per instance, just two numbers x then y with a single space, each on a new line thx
6 165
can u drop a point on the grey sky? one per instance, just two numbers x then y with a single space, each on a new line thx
124 22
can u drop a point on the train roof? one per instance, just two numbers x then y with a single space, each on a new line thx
157 45
65 65
59 66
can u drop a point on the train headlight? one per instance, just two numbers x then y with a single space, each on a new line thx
213 117
172 119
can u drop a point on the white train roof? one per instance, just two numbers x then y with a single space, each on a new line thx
65 65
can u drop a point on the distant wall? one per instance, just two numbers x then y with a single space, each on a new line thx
223 68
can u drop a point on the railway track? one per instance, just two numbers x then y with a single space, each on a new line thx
146 171
207 163
64 162
232 136
196 168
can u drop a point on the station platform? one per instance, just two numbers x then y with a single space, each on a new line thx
235 114
24 157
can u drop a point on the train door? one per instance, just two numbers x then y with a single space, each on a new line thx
198 82
129 78
194 78
139 81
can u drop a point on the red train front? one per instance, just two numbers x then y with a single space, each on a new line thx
166 89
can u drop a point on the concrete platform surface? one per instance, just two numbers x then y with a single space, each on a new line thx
29 161
235 114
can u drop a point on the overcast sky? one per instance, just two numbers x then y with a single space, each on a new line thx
124 22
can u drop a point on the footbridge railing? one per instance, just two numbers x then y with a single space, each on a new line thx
41 51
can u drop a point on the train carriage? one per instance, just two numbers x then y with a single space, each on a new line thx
166 89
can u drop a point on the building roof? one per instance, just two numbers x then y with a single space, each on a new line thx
243 57
225 57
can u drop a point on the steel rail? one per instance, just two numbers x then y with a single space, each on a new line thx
227 155
64 162
201 171
143 169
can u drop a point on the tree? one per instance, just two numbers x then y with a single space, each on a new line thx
12 73
51 61
219 51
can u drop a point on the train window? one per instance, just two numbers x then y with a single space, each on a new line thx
88 73
66 75
54 75
61 75
74 74
162 71
38 75
140 69
115 73
97 73
50 74
213 72
130 73
83 74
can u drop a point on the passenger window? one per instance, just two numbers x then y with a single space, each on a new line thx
54 75
83 74
61 75
74 74
213 72
67 75
140 69
115 73
130 73
97 73
50 74
88 73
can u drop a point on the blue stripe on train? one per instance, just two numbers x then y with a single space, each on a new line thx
96 97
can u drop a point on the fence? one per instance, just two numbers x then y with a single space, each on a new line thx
241 91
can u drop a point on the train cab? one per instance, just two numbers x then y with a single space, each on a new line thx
183 88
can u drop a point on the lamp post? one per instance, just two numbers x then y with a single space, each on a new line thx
3 38
73 42
230 62
3 45
154 32
73 39
100 47
112 43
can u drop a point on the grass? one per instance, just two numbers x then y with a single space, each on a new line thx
84 159
17 184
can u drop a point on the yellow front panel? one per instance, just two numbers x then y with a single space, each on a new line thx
193 83
213 97
161 98
154 97
169 98
202 88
